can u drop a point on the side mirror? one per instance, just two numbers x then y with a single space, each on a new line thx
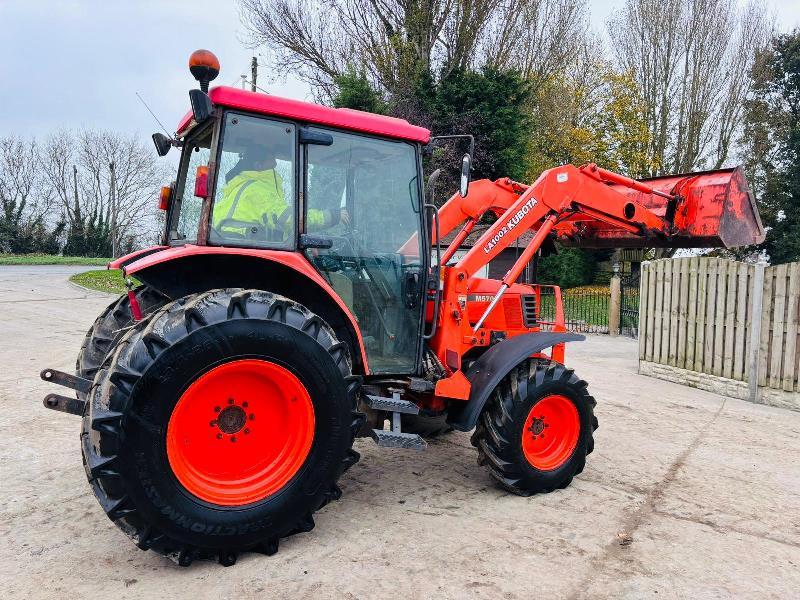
466 166
162 143
202 107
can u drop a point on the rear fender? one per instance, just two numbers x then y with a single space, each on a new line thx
486 372
122 261
189 269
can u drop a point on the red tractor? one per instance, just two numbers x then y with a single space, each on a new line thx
301 298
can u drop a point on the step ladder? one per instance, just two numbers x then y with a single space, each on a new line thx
395 438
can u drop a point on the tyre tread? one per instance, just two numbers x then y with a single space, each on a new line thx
140 347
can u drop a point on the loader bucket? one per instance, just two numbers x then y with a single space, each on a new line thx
716 210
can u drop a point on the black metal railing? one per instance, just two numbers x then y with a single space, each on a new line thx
585 308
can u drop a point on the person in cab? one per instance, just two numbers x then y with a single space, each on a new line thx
253 204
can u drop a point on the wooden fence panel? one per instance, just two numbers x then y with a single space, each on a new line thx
729 348
719 318
691 308
792 318
674 312
711 315
651 310
702 298
751 300
766 324
683 311
739 327
697 313
778 324
644 275
657 311
666 318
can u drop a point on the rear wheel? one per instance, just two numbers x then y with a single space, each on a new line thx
221 425
537 428
110 326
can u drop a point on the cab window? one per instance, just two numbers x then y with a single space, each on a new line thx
254 203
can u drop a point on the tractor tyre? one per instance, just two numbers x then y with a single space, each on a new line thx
109 328
220 425
425 425
537 428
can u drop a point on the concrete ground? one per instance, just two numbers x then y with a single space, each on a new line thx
688 494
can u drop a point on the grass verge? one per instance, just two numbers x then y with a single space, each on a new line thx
49 259
102 280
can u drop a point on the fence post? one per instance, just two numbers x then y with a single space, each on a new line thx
615 303
755 331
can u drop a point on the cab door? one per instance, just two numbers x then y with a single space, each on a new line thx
362 194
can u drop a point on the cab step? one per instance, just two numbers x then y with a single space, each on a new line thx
394 404
398 439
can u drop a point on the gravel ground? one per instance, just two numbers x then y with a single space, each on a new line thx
688 494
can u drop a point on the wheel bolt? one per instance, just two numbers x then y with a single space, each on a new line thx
219 436
547 425
230 400
213 422
244 404
233 438
246 431
216 409
252 416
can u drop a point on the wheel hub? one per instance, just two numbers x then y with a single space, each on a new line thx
538 425
231 419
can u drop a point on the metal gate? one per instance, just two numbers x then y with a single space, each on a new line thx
585 308
629 305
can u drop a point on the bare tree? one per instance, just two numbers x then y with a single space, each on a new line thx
23 199
57 164
119 180
540 38
690 59
391 41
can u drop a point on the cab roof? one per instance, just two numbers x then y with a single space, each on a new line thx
342 118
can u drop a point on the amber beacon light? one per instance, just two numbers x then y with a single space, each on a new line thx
204 66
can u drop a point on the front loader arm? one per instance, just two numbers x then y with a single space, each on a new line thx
556 195
586 206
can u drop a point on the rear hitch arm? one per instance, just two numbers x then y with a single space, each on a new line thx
61 403
73 406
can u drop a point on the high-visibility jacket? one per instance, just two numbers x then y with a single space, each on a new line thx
257 197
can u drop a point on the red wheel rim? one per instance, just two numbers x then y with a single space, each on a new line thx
240 432
551 432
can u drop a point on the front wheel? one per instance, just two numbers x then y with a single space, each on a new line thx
220 425
537 428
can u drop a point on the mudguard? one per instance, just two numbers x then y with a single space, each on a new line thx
486 372
190 269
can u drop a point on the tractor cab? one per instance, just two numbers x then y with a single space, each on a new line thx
338 186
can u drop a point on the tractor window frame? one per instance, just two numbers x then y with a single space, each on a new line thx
290 244
183 171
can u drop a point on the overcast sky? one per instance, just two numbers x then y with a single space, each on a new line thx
79 63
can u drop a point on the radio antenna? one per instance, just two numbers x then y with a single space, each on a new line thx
169 135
